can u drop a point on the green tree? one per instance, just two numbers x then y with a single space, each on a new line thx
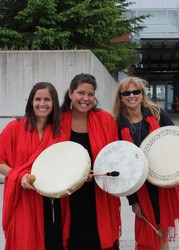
70 24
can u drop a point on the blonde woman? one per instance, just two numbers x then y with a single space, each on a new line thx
136 116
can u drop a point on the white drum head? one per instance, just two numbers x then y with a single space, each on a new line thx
61 169
161 148
125 158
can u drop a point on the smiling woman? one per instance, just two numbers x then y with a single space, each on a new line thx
21 142
42 103
42 106
91 216
82 97
137 116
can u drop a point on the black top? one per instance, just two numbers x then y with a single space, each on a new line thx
83 227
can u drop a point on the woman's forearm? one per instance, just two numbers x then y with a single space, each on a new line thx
4 169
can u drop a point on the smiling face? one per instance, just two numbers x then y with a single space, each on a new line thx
42 103
82 97
132 100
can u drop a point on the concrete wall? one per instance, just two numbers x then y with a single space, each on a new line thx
20 70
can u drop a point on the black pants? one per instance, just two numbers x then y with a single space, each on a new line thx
52 224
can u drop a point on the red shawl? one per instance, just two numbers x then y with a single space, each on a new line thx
23 221
102 130
145 236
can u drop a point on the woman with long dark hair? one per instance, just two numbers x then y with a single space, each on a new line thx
27 216
91 217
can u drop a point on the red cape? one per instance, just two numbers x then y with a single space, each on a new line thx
23 221
102 129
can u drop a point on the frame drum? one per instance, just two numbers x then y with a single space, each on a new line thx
161 148
128 160
61 169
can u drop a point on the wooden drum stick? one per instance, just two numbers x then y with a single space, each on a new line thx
150 224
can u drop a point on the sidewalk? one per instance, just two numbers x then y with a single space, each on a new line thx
127 240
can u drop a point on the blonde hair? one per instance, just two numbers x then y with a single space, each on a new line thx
141 84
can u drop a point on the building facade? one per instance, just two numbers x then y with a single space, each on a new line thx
159 49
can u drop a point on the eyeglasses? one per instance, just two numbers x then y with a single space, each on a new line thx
134 92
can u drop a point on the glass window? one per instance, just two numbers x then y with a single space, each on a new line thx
163 21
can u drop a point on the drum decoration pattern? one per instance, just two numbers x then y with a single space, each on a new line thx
61 169
161 147
125 158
